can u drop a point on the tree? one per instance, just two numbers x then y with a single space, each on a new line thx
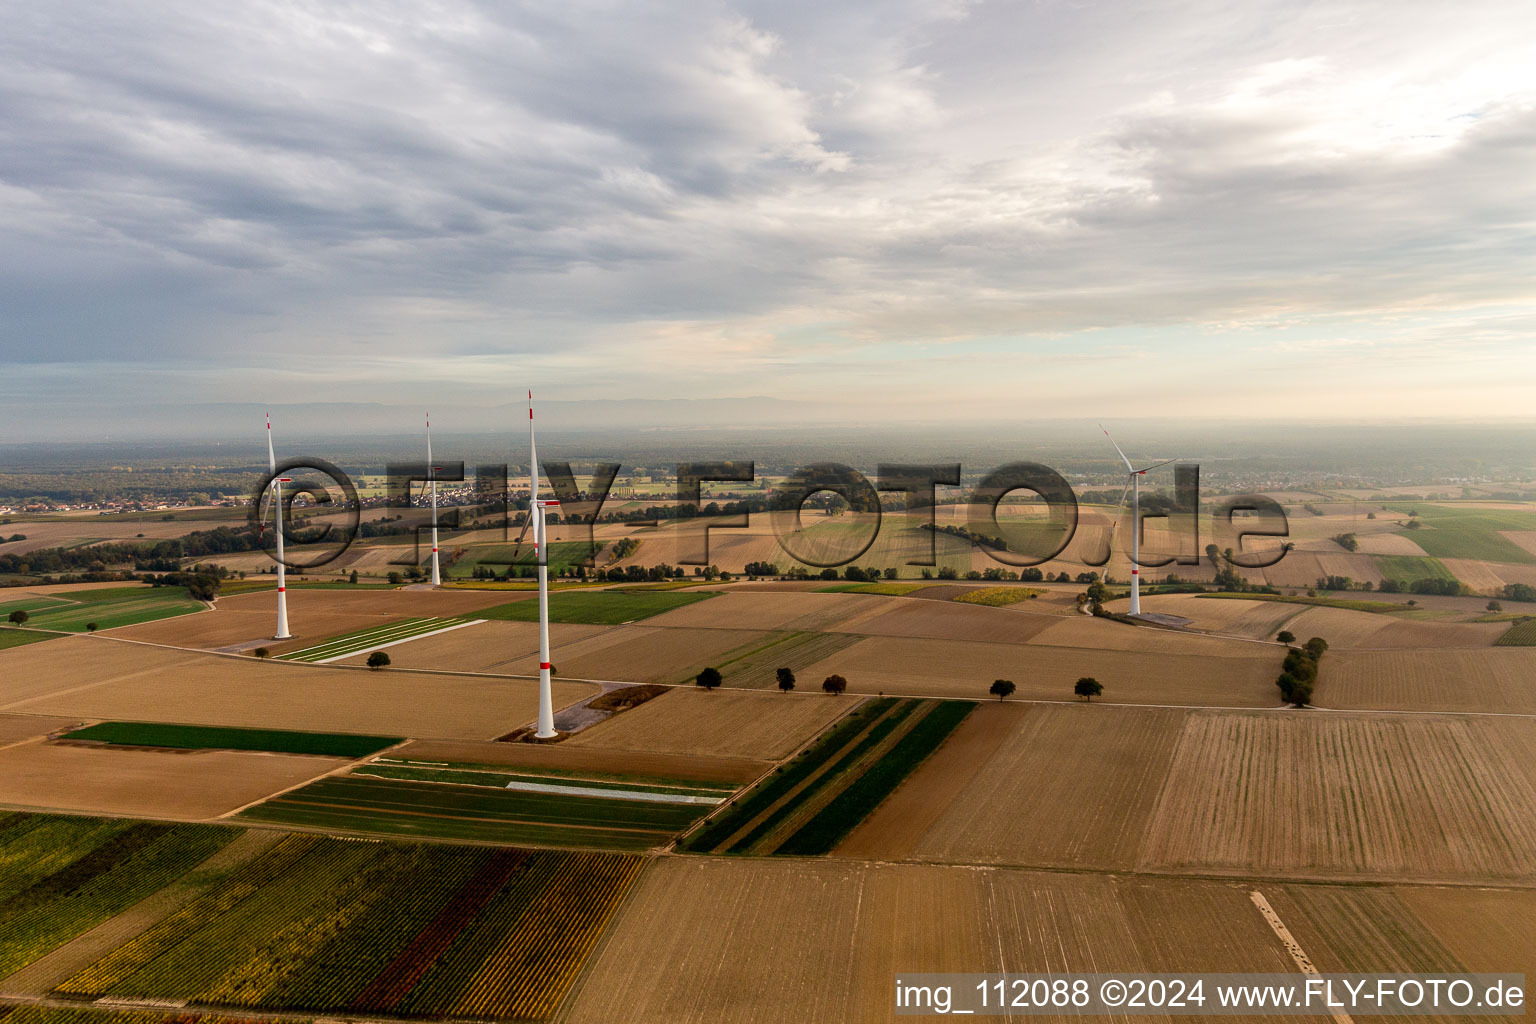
1088 688
709 678
394 578
1494 606
262 652
834 684
90 627
352 579
1285 636
1316 646
378 660
19 617
786 679
1301 694
1003 688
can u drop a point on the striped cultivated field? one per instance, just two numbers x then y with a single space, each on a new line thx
374 804
308 923
1346 796
818 798
376 638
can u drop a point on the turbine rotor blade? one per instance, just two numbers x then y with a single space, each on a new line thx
1123 459
1154 465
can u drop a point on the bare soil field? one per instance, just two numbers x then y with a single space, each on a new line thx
1260 620
152 783
843 930
1352 929
1357 567
646 654
571 758
1485 929
956 668
62 532
1108 635
1482 577
1525 539
1072 786
755 609
1339 796
493 646
313 615
15 728
896 827
1297 569
1345 628
96 677
1492 679
725 723
947 620
1387 544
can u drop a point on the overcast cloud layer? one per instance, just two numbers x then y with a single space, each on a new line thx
1052 208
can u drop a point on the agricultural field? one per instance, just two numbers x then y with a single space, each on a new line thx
725 723
1344 796
364 802
378 638
108 608
101 678
1105 766
1521 634
1471 531
60 877
586 761
491 646
924 667
181 785
809 805
601 607
314 615
21 637
1405 569
309 923
1494 679
197 737
563 556
841 930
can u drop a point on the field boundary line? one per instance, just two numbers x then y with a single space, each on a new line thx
397 643
348 765
1291 945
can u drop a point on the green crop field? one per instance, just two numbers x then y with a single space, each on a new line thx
1452 532
443 811
108 608
600 607
21 637
203 737
998 597
348 644
316 924
1406 569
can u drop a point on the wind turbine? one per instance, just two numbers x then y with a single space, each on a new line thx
282 569
437 579
1132 484
546 726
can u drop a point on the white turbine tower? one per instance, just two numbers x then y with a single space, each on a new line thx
282 569
1133 484
546 728
437 579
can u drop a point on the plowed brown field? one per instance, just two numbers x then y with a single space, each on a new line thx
1498 679
725 723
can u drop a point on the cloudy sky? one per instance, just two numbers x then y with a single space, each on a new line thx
1300 209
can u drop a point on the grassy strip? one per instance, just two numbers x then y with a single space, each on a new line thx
601 607
765 793
367 639
573 775
854 804
1521 634
883 728
998 597
203 737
